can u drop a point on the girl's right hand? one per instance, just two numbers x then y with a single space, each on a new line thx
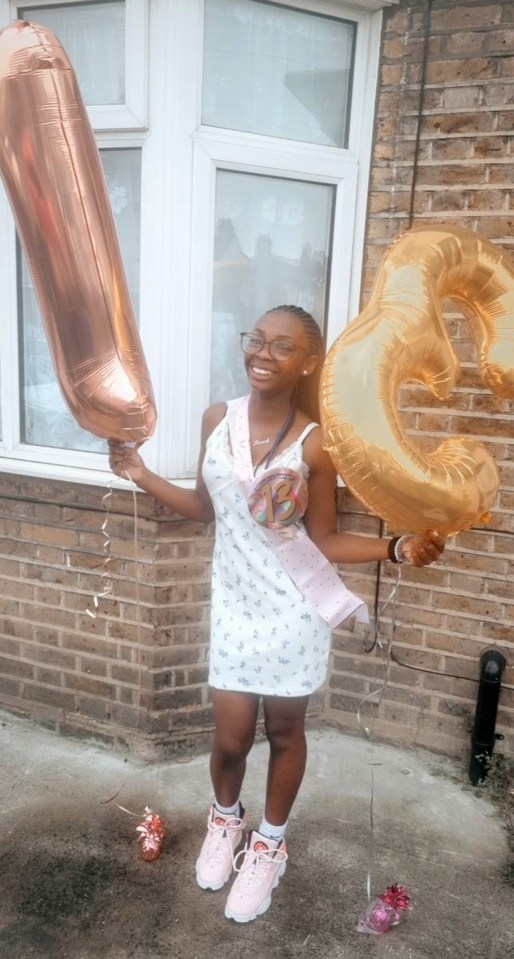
126 462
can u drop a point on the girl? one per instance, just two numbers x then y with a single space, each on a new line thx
267 638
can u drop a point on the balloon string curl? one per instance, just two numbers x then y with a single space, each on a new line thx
98 596
105 578
376 697
138 603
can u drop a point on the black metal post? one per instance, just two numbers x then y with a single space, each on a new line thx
483 737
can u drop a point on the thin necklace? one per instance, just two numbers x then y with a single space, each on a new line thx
279 436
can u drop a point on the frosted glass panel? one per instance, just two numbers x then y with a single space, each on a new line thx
46 420
271 247
277 71
93 35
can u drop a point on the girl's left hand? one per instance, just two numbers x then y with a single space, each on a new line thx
421 549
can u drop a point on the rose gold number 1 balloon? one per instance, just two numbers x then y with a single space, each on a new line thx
54 180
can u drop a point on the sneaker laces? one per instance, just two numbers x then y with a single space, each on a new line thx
218 835
255 864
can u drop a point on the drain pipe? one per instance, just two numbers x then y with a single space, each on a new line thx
483 737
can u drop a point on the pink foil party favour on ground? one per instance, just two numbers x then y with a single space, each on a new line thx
385 911
152 833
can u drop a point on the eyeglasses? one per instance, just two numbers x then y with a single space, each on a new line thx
252 343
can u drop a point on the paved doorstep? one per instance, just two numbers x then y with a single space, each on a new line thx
74 886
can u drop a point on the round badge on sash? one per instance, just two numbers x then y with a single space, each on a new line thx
278 497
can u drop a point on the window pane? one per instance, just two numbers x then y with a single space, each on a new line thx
45 418
277 71
271 247
93 35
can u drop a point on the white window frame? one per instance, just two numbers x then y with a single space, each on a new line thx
220 149
179 162
133 114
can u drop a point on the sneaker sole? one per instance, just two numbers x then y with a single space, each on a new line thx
207 884
264 906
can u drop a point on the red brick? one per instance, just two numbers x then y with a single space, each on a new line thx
91 686
490 146
90 644
9 647
48 574
130 633
16 667
123 673
499 41
49 677
95 708
128 696
47 596
58 698
177 698
91 666
465 69
460 17
486 199
54 535
400 22
46 637
45 615
49 554
49 656
9 687
176 656
15 546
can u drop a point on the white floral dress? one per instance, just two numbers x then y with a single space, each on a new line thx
266 637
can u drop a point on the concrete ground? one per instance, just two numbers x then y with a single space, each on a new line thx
73 885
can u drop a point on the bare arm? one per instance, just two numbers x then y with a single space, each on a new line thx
193 504
321 520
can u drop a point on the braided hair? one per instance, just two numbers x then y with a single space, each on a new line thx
307 390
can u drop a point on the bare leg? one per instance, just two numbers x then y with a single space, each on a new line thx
235 715
285 729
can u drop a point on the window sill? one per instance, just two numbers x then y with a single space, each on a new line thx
74 474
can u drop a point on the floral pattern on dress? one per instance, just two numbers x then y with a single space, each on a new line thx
266 638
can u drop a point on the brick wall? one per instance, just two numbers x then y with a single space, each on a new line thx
136 673
444 153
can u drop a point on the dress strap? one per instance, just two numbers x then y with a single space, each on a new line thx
306 432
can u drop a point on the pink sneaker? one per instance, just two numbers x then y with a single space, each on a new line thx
263 866
215 862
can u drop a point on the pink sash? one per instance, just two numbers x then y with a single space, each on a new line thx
308 568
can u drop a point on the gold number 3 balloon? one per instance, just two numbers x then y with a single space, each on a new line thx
54 180
401 336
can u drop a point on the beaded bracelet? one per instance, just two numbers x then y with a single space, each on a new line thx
391 547
395 549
